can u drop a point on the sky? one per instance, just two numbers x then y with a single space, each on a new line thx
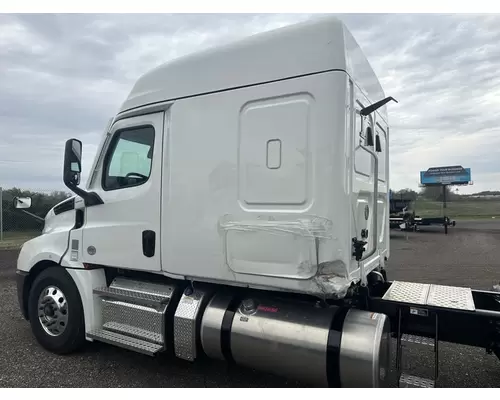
65 76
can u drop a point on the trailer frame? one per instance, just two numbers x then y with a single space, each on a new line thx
474 324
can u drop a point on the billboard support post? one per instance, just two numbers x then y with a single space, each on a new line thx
444 177
444 198
444 210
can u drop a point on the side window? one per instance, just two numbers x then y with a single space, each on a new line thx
363 126
128 159
382 139
358 126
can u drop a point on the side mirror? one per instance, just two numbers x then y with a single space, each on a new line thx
22 202
72 162
73 169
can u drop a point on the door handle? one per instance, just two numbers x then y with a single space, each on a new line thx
148 243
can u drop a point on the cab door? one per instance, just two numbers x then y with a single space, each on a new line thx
382 149
124 232
365 181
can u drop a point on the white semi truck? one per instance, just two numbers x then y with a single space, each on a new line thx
237 208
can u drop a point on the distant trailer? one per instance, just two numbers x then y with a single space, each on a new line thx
441 221
412 223
400 217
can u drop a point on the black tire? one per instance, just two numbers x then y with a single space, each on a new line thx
73 336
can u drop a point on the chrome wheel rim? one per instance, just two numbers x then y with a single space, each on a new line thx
53 310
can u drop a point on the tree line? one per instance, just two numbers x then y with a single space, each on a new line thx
41 203
435 193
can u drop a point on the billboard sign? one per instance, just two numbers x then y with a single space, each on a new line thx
453 175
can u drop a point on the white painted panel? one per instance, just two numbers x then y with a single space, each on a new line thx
288 256
274 151
210 233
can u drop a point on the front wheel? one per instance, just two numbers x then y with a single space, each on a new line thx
56 312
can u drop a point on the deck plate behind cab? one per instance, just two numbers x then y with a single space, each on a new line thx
458 298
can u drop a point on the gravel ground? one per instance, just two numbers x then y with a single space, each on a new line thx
466 257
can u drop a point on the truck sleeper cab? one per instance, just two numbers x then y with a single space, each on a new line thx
238 193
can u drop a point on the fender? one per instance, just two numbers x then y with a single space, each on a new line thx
86 281
37 254
54 246
42 248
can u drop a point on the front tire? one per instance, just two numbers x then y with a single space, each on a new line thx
56 312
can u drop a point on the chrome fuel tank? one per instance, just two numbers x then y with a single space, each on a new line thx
285 338
365 350
334 346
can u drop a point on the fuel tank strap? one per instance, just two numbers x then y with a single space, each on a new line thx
227 323
333 347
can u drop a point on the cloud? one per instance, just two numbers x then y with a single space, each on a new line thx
64 76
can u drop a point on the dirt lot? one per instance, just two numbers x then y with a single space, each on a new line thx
468 256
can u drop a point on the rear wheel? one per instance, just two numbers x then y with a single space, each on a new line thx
56 312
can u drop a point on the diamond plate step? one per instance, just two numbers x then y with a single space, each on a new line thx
459 298
126 342
407 292
418 340
145 287
186 319
139 321
134 332
126 295
411 381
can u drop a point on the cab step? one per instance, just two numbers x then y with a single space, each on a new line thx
412 381
423 298
407 339
148 322
126 342
117 293
134 315
132 331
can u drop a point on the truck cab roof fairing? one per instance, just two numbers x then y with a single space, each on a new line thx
315 46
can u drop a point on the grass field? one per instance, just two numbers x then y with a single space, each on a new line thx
468 209
14 240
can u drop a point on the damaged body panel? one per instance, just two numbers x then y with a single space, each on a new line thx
286 246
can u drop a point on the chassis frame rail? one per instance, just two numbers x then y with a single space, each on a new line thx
478 328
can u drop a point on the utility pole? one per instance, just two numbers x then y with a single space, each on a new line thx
444 210
1 215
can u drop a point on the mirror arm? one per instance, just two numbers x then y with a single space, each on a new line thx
89 198
92 199
33 215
